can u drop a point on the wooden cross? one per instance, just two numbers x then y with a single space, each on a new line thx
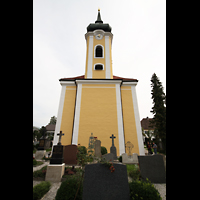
60 135
112 137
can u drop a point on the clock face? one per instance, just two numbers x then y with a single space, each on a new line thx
99 36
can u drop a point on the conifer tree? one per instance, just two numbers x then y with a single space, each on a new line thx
159 110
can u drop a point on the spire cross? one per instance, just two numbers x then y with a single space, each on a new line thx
60 135
112 137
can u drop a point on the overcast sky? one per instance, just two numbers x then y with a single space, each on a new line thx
59 47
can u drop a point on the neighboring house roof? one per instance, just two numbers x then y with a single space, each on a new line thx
114 77
145 123
50 127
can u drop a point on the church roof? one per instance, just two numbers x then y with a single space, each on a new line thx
99 24
114 77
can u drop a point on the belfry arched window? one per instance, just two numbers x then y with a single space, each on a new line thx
98 67
99 51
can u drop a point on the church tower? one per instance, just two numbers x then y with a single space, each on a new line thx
99 57
99 102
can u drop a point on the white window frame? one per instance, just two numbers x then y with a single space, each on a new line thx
95 51
98 64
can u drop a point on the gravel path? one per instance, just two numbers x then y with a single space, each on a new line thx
40 166
51 194
161 189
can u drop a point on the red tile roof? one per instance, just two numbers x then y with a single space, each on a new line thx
145 123
50 127
83 77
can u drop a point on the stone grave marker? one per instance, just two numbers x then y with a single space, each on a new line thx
70 154
97 148
100 184
43 145
132 159
108 156
91 145
57 155
129 146
55 169
113 148
152 167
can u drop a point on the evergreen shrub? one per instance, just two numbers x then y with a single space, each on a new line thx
143 190
103 150
68 189
41 189
34 162
120 159
135 174
40 173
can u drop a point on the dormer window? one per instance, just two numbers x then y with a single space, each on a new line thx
99 51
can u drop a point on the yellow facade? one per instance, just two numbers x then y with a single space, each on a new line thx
130 132
98 114
102 107
68 114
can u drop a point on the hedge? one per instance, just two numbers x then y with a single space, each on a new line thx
41 189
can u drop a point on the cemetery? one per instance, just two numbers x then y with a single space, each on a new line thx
97 152
91 173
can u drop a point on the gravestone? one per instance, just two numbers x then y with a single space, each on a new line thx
70 154
129 146
41 150
108 156
55 169
57 155
97 148
133 159
100 184
91 144
43 143
113 148
152 167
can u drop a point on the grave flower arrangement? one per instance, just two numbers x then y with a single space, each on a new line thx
108 164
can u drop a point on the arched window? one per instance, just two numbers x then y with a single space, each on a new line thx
99 51
98 67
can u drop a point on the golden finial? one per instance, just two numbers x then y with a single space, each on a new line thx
98 9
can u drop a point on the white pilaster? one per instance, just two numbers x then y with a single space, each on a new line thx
90 57
107 57
59 115
137 121
120 121
77 114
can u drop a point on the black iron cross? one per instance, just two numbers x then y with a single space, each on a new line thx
112 137
60 135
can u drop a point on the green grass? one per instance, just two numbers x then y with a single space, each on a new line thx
41 189
131 167
38 163
40 173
